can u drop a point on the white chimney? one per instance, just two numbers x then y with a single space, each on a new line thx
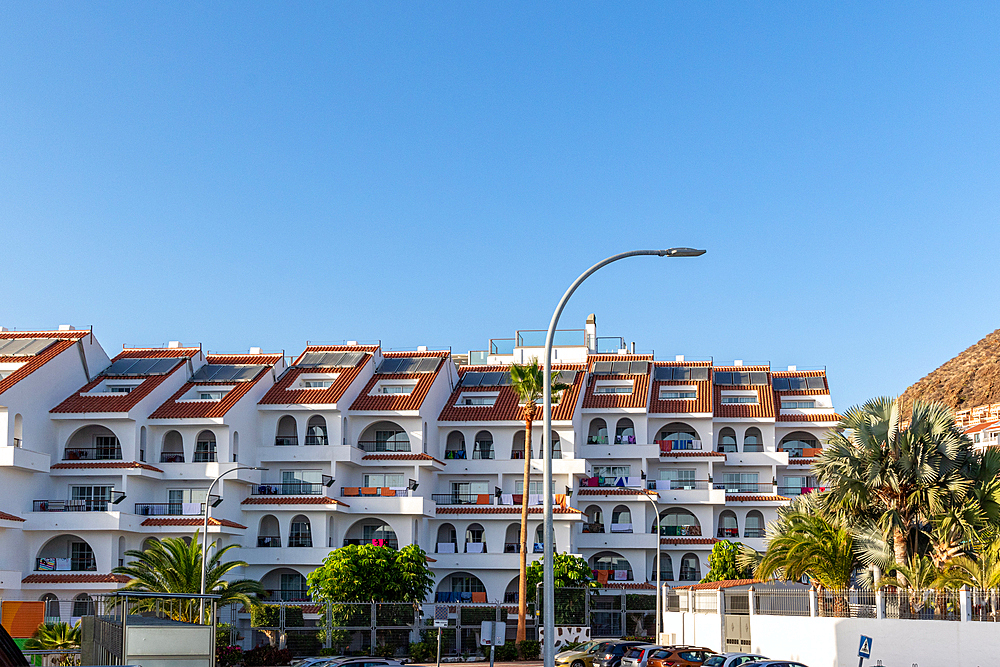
352 343
591 333
421 348
679 357
4 329
66 327
255 350
174 343
792 368
738 362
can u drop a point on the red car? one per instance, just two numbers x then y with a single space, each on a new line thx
679 656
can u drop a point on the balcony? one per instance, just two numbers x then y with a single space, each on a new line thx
380 446
316 440
680 531
728 532
678 485
171 458
92 454
75 564
667 446
300 541
286 441
288 595
373 492
392 543
170 509
745 487
463 498
754 532
287 489
789 491
268 541
592 528
70 505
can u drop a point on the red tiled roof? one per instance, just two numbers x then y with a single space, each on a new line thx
640 384
31 364
679 453
803 392
194 521
79 402
763 408
825 417
292 500
612 491
981 427
801 462
67 465
75 579
755 499
506 407
177 409
688 540
411 401
282 392
501 509
716 585
701 405
10 517
399 457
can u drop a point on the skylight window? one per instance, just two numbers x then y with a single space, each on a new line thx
476 399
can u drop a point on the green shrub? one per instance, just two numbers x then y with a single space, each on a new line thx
424 651
269 616
506 652
223 633
529 649
227 656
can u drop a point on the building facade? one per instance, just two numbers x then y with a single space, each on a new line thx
353 444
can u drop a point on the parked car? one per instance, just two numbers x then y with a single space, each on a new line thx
611 655
775 663
732 660
679 656
581 656
638 655
359 661
309 662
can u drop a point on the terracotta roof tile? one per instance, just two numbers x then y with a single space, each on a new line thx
68 465
981 427
801 462
640 384
690 452
411 401
826 417
688 540
763 408
501 509
701 405
174 408
612 491
506 407
157 352
716 585
66 340
212 521
755 499
400 457
292 500
803 392
75 579
268 359
283 393
10 517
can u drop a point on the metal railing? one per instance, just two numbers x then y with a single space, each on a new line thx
286 440
268 541
288 595
317 440
512 548
463 498
387 446
204 457
929 604
728 532
171 458
72 564
372 491
680 531
754 532
168 509
287 489
483 450
300 541
985 605
70 505
92 454
594 528
745 487
386 542
678 485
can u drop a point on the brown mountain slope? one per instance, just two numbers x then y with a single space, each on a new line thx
970 379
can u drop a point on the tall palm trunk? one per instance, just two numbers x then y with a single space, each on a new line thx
522 584
901 552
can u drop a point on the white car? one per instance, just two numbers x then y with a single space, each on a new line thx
732 659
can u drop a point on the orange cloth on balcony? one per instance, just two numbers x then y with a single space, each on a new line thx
518 498
602 576
479 596
368 490
385 491
351 490
483 499
561 500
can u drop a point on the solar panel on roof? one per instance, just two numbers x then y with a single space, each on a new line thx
663 373
724 378
567 377
330 359
225 373
142 366
638 368
491 379
24 347
351 359
815 383
758 377
427 365
619 368
781 384
699 373
504 379
389 365
602 368
472 379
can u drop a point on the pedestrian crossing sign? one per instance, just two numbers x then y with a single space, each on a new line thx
865 650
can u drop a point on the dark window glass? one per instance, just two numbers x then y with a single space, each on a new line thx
758 378
815 383
723 378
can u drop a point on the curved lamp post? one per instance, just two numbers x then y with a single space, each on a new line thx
548 577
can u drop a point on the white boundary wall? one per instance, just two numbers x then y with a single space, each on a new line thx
833 642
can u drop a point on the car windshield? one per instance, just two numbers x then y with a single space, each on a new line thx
634 653
714 661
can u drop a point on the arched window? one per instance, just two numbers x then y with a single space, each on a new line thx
598 434
142 443
204 450
475 539
372 531
678 523
539 545
19 430
609 566
147 543
556 446
624 432
385 436
621 519
727 440
52 614
666 567
316 431
595 520
690 568
752 440
727 524
455 447
461 587
300 533
173 448
287 433
121 551
517 448
446 539
268 534
678 435
512 539
83 605
236 446
795 443
482 446
754 524
93 442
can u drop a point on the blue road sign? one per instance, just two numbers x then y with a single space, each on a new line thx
865 649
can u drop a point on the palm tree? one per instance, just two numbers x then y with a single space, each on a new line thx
528 381
980 571
56 637
901 477
174 566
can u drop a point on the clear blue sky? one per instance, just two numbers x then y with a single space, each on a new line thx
243 174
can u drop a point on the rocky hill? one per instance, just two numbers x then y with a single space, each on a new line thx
970 379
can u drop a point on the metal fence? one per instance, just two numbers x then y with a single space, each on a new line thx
984 605
931 604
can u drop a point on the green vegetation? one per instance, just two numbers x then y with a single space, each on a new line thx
57 637
723 563
365 573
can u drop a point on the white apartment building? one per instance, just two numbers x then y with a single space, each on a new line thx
360 445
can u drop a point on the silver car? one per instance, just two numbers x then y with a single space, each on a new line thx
732 660
637 656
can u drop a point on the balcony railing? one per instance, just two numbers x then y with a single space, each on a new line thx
754 532
300 541
610 576
798 490
204 457
70 505
75 564
463 498
455 454
287 489
391 543
268 541
728 532
727 449
517 455
592 528
510 598
171 458
286 440
317 440
387 446
512 547
680 531
92 454
170 509
745 487
372 491
288 595
483 450
753 448
678 485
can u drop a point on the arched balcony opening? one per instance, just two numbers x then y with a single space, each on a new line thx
556 446
93 443
19 430
598 433
512 539
690 568
142 444
461 587
728 527
517 448
678 435
52 612
539 544
66 553
676 522
624 432
754 526
482 446
510 593
595 520
316 433
447 539
121 551
455 446
610 566
285 585
727 440
666 567
172 450
269 532
148 543
205 448
83 605
236 446
287 434
621 519
371 531
797 443
752 440
384 436
300 532
475 539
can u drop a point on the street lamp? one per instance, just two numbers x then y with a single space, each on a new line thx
548 576
204 538
656 513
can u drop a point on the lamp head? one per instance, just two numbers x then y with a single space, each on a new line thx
413 484
681 252
216 502
328 481
117 497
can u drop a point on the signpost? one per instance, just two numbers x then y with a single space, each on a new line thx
492 634
864 650
440 621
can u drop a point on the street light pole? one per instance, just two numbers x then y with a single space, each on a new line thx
548 576
656 513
